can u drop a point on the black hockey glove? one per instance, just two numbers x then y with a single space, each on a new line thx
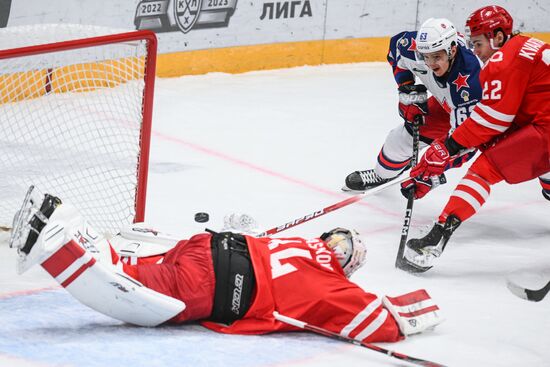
413 102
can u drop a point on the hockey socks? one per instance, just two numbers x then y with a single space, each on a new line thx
468 197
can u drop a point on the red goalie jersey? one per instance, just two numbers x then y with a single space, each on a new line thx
516 103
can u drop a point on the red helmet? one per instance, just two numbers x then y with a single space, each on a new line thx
488 19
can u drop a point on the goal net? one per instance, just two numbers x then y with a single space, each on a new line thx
75 119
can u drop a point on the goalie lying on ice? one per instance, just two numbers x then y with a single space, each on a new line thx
230 282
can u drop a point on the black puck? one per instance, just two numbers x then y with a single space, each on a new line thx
202 217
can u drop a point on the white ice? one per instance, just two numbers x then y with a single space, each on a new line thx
277 145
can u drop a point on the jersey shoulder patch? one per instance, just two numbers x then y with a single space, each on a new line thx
463 79
405 43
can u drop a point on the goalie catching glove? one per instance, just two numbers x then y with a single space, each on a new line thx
347 247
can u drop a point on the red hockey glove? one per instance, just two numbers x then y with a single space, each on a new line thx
421 187
413 102
433 161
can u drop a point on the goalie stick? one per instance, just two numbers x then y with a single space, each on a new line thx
534 295
330 334
331 208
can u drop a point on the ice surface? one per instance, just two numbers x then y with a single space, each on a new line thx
277 145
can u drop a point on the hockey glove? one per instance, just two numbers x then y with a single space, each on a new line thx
347 248
240 223
421 187
433 162
414 312
413 102
459 161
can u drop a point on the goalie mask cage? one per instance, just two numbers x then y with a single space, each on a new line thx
75 115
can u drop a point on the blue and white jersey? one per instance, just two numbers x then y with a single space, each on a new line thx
457 91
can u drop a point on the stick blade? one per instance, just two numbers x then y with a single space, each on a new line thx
516 289
534 295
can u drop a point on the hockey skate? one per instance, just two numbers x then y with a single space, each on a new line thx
421 252
361 181
31 218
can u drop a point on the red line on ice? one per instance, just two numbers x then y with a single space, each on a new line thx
269 172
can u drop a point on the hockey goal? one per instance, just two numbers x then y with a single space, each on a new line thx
75 117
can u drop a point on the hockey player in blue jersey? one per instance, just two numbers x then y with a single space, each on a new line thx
435 57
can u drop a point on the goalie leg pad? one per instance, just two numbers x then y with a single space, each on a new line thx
91 278
102 288
50 238
139 240
414 312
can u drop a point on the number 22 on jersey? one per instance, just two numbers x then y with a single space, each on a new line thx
491 90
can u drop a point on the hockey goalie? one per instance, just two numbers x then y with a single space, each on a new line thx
230 282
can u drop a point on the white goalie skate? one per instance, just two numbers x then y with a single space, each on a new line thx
30 219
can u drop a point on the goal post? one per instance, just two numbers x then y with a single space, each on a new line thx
75 117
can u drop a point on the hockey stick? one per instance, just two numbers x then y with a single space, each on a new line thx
534 295
333 335
399 263
331 208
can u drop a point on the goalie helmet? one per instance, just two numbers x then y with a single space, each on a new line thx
488 20
347 247
434 35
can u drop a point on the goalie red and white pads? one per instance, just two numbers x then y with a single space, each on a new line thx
414 312
55 235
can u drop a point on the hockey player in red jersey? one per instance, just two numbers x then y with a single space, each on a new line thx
511 126
436 56
232 283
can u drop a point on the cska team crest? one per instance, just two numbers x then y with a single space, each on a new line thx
461 81
186 13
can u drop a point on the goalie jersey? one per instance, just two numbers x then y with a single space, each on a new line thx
457 91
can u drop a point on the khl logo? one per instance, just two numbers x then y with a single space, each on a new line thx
186 13
183 15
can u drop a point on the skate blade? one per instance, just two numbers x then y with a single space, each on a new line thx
21 217
350 191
